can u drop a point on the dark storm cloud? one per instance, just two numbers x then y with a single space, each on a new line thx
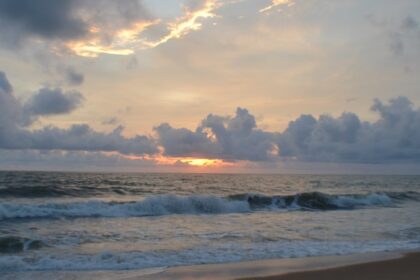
52 102
229 138
14 117
45 18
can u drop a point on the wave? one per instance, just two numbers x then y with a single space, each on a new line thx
117 260
201 204
14 244
315 201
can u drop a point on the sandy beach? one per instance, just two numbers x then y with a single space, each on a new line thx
405 268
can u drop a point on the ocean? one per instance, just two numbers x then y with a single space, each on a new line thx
102 221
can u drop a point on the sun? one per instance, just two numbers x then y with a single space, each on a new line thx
201 161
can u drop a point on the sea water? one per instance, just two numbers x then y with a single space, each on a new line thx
93 221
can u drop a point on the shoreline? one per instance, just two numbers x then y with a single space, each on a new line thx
265 269
270 269
404 268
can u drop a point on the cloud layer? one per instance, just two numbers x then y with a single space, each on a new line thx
228 138
15 117
393 138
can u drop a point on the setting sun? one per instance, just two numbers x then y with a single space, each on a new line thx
202 162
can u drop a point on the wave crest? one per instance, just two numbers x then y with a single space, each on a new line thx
200 204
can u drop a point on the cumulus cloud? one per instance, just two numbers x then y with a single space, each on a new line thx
52 102
11 114
228 138
395 137
14 117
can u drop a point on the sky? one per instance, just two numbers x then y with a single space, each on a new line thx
276 86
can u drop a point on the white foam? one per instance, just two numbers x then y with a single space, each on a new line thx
150 206
367 200
225 253
173 204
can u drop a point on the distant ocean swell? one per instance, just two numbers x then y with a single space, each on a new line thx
203 204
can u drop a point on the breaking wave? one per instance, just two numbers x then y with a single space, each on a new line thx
114 260
202 204
14 244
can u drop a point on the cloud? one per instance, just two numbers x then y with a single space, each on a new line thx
189 22
55 160
395 137
110 121
323 139
228 138
91 28
15 117
82 27
52 102
5 86
11 114
42 18
73 77
410 23
84 138
402 37
276 3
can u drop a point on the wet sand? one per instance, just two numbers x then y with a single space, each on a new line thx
405 268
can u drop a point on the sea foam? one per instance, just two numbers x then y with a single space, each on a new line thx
196 204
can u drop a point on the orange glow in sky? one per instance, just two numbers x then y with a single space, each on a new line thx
192 161
188 161
202 162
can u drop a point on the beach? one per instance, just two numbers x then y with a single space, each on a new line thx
385 265
405 268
